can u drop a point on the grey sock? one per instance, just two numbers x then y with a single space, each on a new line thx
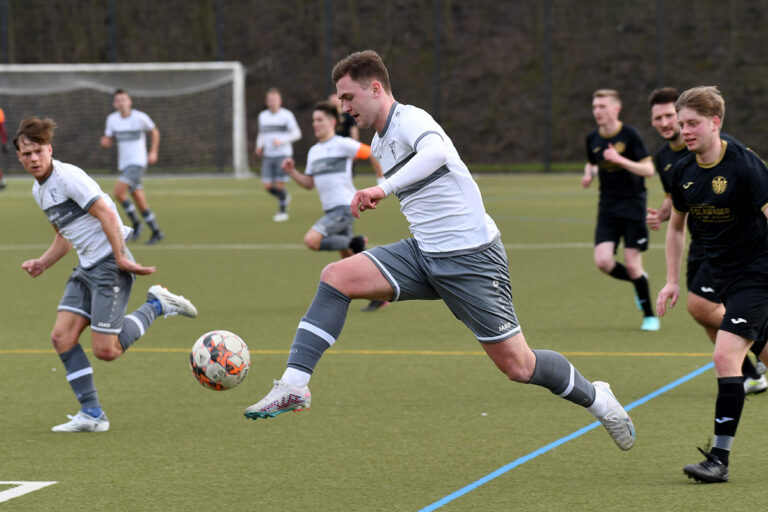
335 243
554 372
136 324
80 376
149 218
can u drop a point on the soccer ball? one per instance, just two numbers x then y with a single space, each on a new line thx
219 360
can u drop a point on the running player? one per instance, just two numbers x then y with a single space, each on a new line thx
129 126
456 255
618 156
278 129
703 302
97 292
723 188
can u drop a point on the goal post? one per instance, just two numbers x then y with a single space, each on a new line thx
199 108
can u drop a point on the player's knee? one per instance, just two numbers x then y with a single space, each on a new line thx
604 264
312 242
723 363
109 353
62 341
517 373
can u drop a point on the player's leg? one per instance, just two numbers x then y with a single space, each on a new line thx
121 194
332 232
140 199
634 260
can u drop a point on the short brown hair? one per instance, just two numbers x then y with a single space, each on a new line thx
364 66
327 108
607 93
34 129
704 100
662 96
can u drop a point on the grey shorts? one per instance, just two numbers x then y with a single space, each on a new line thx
271 170
132 176
100 294
336 221
474 285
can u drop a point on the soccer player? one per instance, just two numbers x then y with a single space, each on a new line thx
4 142
723 188
703 303
456 255
129 126
329 168
278 129
97 292
617 155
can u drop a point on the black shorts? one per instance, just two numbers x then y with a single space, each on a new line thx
701 280
746 308
611 228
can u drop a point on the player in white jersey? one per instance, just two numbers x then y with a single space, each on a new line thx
456 255
278 130
329 169
128 127
97 292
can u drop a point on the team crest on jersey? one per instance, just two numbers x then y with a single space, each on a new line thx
719 184
619 147
392 149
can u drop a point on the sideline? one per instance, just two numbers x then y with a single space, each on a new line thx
522 460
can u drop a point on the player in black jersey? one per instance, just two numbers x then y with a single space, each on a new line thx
703 302
618 156
723 188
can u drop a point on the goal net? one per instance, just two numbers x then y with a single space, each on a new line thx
199 108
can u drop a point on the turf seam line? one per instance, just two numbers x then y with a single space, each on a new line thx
525 458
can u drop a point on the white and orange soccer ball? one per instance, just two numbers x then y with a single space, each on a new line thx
220 360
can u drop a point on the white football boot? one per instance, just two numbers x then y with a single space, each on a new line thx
82 422
616 421
282 398
171 303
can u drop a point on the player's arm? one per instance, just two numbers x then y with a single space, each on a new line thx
590 171
655 218
306 181
674 247
642 168
112 227
154 145
58 249
106 141
259 145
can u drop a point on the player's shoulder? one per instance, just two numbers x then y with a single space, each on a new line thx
70 172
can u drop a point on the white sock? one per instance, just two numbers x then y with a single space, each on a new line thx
601 406
295 377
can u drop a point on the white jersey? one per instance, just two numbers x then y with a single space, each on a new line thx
65 197
130 134
445 210
330 165
279 125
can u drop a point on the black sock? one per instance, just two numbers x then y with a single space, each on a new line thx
643 295
728 407
130 210
620 272
149 218
748 369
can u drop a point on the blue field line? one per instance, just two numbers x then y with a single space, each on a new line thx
522 460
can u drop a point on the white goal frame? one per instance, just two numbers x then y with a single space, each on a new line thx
113 82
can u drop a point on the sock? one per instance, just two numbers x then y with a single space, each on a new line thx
730 402
620 272
554 372
136 324
335 243
130 211
80 378
149 218
319 328
643 294
282 197
748 369
295 377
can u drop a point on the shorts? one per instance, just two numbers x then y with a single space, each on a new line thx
132 176
611 228
336 221
701 280
746 307
271 170
100 294
473 284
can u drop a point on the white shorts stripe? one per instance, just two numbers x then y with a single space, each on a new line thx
74 310
386 273
137 322
570 384
317 332
79 373
500 337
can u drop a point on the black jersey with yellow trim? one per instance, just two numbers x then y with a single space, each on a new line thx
725 201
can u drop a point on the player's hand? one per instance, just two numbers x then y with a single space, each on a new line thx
288 165
366 199
152 157
669 294
612 155
259 151
134 268
277 142
586 180
653 219
33 267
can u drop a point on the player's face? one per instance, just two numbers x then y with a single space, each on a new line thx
37 159
323 124
122 103
605 110
664 119
358 100
274 101
699 132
